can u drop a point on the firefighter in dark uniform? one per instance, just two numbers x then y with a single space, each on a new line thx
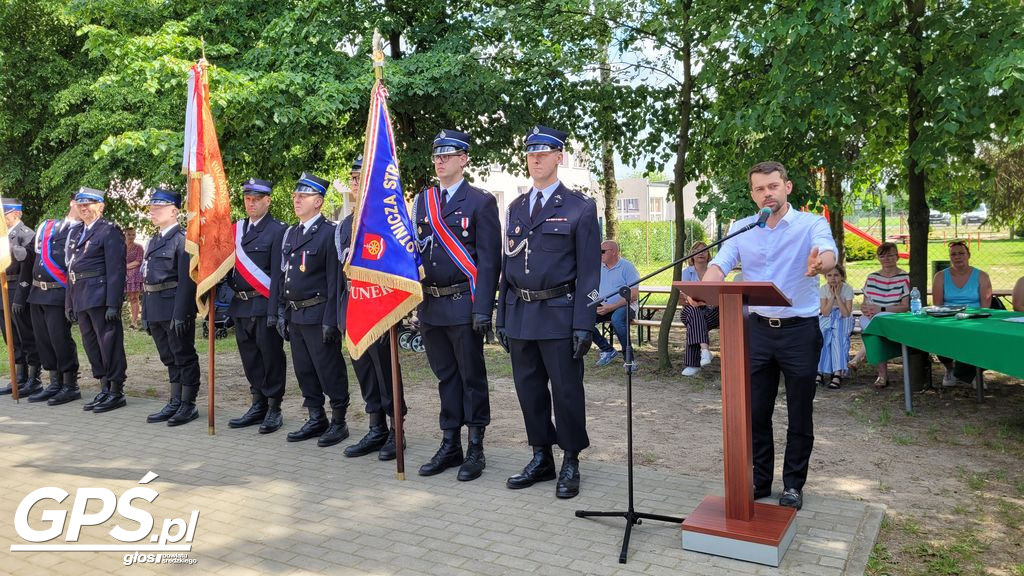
169 308
308 315
96 270
256 280
552 262
57 350
459 230
373 368
19 280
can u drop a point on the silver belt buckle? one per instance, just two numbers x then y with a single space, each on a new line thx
42 286
434 291
243 296
775 322
524 295
73 280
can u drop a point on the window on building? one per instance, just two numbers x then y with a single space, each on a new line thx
628 205
657 206
581 161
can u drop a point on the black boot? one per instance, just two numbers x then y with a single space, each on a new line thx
21 377
448 455
314 426
99 398
374 439
389 450
187 412
336 432
474 464
33 384
569 477
540 469
255 415
165 413
115 399
50 391
273 421
69 391
169 409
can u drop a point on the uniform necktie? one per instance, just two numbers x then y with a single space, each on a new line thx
536 207
444 199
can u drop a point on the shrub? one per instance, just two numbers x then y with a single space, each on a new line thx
858 248
644 243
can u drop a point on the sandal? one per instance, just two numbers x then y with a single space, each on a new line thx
836 382
819 380
880 383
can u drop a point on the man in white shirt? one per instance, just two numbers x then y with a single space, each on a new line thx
791 251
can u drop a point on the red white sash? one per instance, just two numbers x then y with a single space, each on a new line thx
248 269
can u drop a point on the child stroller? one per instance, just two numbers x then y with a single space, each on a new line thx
221 321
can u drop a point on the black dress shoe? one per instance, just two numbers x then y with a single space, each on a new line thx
273 421
96 401
111 402
568 478
48 392
540 469
474 463
255 415
792 498
448 455
6 390
762 492
389 451
68 393
166 412
314 426
186 413
30 388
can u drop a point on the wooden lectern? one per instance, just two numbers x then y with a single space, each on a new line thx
735 526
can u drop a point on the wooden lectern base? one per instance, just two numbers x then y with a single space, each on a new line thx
764 539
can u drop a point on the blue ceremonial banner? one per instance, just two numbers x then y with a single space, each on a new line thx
383 266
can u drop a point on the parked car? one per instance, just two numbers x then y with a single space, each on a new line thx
977 216
936 217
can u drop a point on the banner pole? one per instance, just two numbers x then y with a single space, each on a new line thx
211 379
396 404
9 340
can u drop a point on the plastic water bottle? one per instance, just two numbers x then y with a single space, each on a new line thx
915 301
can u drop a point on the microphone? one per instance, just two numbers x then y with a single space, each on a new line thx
762 217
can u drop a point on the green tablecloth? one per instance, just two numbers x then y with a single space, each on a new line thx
990 343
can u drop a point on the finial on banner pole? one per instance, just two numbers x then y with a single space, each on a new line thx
378 55
202 53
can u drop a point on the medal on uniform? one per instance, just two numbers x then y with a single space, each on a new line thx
518 229
302 267
465 226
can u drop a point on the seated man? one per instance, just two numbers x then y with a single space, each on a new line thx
616 272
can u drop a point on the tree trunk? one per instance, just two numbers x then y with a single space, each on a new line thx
608 184
685 105
833 189
917 206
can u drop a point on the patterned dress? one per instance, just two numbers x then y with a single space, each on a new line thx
133 277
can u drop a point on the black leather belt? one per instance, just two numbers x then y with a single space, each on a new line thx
76 276
46 285
534 295
12 277
782 322
438 291
300 304
247 294
160 287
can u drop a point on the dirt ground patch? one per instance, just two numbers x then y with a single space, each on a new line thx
950 474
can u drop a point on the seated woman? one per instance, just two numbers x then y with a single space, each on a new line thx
885 291
698 318
836 323
1018 295
960 285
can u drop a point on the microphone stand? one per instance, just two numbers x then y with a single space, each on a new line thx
631 516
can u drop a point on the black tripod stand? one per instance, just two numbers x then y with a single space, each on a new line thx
630 514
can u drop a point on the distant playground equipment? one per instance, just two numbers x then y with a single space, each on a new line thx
868 237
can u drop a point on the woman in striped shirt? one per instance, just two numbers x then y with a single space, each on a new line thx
885 291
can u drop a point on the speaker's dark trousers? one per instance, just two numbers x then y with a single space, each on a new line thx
792 351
